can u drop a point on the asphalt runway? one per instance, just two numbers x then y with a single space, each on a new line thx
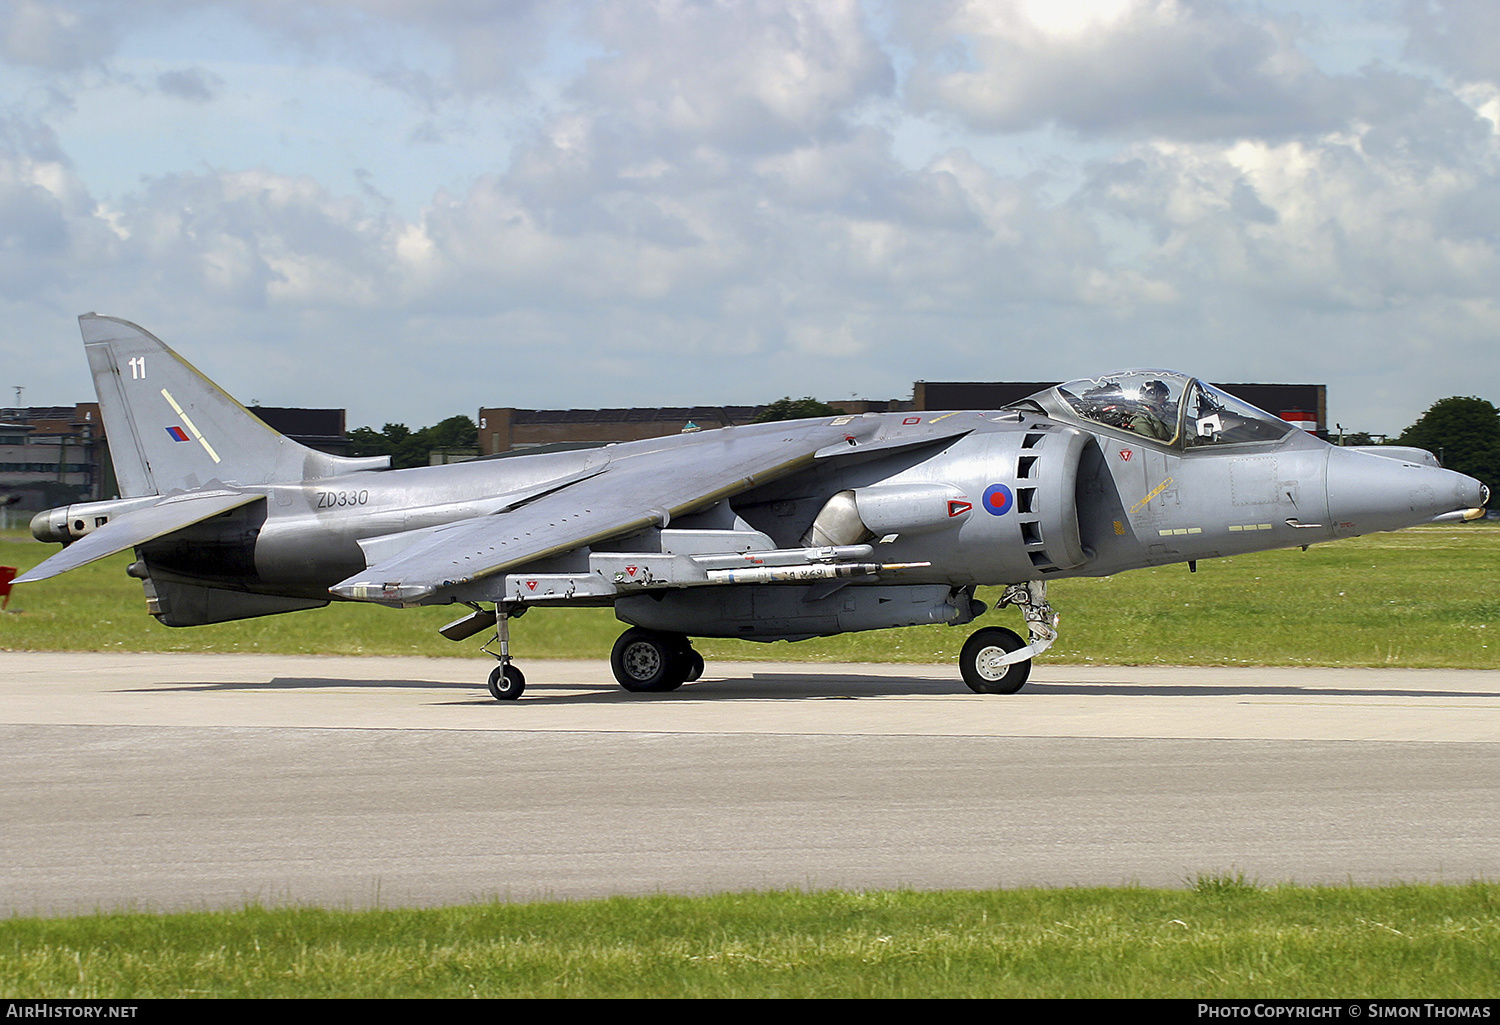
167 782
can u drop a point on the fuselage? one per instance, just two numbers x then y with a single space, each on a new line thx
997 497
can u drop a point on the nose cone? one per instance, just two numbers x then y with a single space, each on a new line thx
1373 492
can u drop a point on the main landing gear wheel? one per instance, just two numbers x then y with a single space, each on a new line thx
979 662
645 660
506 683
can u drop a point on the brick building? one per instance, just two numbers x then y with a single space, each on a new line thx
52 455
506 429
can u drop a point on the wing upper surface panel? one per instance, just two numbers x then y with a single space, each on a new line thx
633 493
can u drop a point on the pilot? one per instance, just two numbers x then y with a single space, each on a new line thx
1156 419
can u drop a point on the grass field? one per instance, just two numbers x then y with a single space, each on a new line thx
1221 938
1428 597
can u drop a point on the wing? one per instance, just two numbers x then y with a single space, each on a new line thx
633 493
138 526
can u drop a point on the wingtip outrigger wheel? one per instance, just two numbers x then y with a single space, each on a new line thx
506 683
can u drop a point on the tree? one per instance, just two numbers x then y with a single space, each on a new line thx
1464 433
454 432
789 408
409 448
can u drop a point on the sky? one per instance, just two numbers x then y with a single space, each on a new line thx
412 209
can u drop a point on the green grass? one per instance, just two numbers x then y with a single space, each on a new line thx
1428 597
1208 941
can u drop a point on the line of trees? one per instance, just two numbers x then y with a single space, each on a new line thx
407 447
788 408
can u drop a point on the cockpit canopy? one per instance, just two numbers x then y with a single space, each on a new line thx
1161 406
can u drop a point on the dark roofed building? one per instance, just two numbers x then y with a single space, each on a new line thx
503 429
322 429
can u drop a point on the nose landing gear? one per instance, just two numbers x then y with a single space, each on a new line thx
995 660
982 661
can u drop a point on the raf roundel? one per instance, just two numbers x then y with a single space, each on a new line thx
997 500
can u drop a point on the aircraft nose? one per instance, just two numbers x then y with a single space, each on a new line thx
1369 492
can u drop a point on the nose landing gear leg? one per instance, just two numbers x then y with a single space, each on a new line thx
995 660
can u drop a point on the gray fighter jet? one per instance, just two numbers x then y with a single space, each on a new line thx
778 531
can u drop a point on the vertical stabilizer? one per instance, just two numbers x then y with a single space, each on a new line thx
172 429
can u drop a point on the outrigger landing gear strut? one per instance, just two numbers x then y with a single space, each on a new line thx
506 681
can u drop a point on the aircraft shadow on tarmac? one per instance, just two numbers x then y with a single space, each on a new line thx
304 683
826 686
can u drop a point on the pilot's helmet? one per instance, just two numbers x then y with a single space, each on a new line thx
1154 392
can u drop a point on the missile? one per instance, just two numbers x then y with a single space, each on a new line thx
807 571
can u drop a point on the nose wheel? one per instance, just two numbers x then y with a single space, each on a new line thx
982 662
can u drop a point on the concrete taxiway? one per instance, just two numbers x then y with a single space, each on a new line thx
186 781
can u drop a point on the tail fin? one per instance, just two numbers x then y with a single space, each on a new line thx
172 429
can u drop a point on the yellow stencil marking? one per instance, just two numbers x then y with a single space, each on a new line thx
190 426
1154 492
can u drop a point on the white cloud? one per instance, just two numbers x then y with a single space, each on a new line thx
1456 35
57 36
1187 68
742 76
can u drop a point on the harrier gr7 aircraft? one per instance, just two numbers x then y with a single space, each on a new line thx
778 531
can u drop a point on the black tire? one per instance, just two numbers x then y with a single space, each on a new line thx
694 665
507 683
976 662
644 660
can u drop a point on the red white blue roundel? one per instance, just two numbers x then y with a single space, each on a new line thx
997 500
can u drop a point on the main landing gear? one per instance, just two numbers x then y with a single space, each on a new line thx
642 660
649 660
